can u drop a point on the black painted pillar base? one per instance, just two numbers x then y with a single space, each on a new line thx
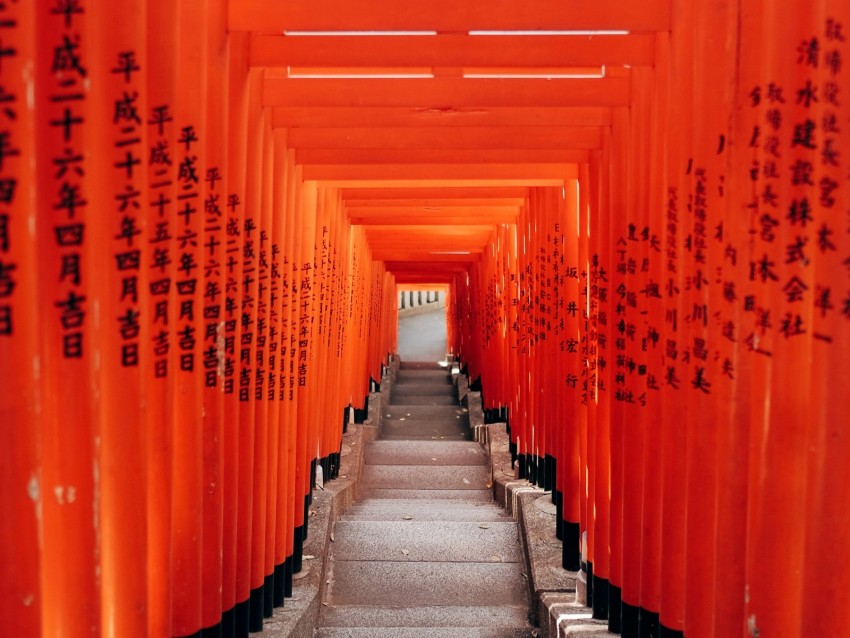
600 598
551 475
255 608
615 609
648 624
228 623
307 502
242 619
571 546
590 593
670 633
630 621
298 550
279 585
212 632
268 596
288 571
559 514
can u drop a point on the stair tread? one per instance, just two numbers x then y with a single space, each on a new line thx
426 616
427 541
415 584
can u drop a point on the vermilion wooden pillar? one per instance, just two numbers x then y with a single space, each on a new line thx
21 488
70 590
116 147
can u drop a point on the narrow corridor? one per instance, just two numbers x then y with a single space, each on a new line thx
425 552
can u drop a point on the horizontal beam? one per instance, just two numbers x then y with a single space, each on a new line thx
445 156
419 219
457 206
513 137
366 196
422 175
399 116
452 51
443 93
445 16
408 255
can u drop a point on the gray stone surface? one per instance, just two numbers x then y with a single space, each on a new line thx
422 337
427 541
451 477
401 584
442 616
418 400
425 552
423 453
483 495
422 632
424 510
421 388
425 413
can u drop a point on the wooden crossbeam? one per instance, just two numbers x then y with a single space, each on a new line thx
452 51
443 93
440 156
395 117
449 216
422 175
445 16
513 137
462 195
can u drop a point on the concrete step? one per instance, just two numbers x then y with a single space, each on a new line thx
422 366
427 377
422 632
450 617
422 389
424 510
411 477
427 541
423 453
458 430
409 584
424 412
485 496
426 400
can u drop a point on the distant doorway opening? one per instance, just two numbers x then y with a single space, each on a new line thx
422 324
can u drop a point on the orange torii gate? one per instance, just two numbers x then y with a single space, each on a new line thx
639 210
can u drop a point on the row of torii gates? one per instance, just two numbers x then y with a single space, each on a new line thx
640 210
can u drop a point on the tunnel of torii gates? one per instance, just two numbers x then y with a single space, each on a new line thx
641 212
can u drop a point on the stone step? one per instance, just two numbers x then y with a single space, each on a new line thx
385 509
424 412
503 616
409 584
423 453
426 400
422 389
408 377
422 366
427 541
411 477
423 632
457 430
485 496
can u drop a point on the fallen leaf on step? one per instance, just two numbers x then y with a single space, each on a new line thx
433 459
466 481
489 485
484 526
405 551
495 559
535 633
332 537
309 557
402 419
407 518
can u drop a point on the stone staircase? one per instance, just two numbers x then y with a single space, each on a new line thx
425 552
